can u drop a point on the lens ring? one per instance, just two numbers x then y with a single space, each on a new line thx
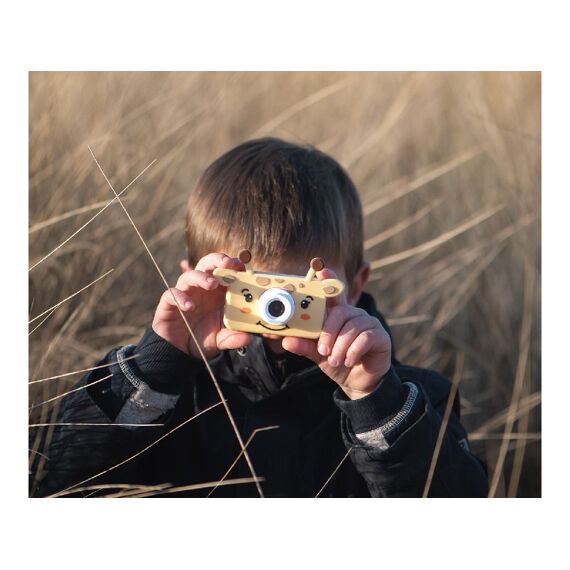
276 306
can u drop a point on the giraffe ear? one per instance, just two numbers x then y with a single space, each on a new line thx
224 276
331 287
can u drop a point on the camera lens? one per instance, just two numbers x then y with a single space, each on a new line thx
276 308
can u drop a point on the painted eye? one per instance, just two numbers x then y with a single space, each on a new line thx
305 304
248 297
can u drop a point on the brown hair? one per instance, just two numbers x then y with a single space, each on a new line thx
277 199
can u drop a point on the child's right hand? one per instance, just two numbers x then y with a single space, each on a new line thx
201 298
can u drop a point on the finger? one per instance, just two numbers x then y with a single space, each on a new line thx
376 340
326 273
195 278
303 347
174 298
334 321
213 260
228 339
341 299
347 335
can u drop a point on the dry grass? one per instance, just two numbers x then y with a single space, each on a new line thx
448 166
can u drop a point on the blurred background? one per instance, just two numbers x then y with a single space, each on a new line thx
448 169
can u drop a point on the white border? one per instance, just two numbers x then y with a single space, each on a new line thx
293 35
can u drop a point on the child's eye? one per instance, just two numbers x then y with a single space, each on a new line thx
305 303
248 297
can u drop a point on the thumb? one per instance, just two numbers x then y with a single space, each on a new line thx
228 339
303 347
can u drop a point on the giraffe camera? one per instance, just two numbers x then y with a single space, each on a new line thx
274 303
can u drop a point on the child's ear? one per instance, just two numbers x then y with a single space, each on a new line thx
184 266
332 287
359 282
224 276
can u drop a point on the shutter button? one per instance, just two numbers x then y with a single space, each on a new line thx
242 350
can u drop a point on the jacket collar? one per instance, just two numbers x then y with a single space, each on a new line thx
261 374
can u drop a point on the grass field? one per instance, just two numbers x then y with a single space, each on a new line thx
448 168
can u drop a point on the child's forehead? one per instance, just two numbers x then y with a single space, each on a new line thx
290 266
286 265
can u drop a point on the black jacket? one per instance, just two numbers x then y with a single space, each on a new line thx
155 383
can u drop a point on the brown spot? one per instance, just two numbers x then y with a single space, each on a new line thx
277 280
317 263
301 285
289 287
228 278
263 281
244 255
329 290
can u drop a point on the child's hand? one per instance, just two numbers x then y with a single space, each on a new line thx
353 348
201 298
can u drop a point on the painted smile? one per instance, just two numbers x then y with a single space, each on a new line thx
272 329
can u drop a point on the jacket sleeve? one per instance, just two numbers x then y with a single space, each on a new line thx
392 435
115 411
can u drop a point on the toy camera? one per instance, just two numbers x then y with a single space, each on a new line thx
273 303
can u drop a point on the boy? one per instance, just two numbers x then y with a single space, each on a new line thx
303 404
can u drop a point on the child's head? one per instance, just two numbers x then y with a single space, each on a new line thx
284 202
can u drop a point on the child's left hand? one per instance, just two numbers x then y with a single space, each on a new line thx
353 349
